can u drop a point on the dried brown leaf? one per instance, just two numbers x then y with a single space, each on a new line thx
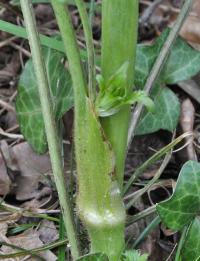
32 167
48 232
5 182
187 124
27 240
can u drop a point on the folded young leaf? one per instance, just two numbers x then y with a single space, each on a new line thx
113 94
134 255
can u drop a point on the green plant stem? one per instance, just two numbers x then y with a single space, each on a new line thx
69 40
50 126
119 39
154 223
181 242
91 12
62 236
90 47
158 65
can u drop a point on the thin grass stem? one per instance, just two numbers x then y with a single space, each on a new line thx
154 223
90 47
50 125
181 242
91 12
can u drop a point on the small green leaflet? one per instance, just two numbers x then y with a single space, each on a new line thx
182 63
94 257
191 247
28 104
184 204
134 255
113 94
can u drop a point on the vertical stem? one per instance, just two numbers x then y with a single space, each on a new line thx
181 242
70 45
90 47
49 121
119 38
91 12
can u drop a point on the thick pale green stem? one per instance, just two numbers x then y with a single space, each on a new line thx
119 38
99 201
50 126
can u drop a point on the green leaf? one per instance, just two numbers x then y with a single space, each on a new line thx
145 58
28 104
134 255
191 247
164 116
182 63
94 257
184 204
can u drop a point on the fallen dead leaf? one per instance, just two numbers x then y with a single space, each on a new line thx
187 124
3 230
190 30
33 168
10 162
5 182
48 232
27 240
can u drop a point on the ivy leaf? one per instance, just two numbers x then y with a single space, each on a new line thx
28 103
134 255
183 62
93 257
184 204
164 116
145 58
191 247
